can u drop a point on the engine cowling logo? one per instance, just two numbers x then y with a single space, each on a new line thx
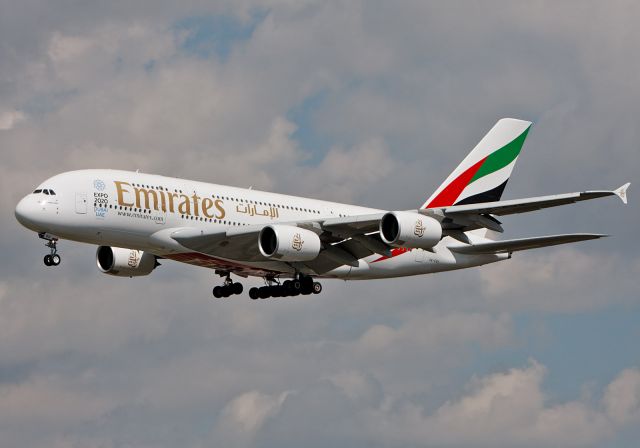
134 259
297 242
419 228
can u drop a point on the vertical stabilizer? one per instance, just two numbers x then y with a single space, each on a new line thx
483 174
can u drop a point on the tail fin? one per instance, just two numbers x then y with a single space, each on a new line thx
483 174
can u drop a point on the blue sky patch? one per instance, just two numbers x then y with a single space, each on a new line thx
307 134
215 36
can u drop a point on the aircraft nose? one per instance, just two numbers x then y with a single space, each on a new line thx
25 211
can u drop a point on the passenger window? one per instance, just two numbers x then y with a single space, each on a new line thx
52 192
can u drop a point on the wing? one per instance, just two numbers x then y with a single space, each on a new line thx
506 246
345 241
473 216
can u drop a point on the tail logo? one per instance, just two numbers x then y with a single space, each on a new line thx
297 242
419 228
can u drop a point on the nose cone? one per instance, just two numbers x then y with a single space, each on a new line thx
26 211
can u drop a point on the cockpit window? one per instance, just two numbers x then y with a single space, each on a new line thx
37 191
45 191
52 192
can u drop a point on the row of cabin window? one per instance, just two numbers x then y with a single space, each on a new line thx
228 198
45 191
139 210
129 209
270 204
213 220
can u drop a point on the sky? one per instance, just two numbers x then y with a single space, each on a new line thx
365 102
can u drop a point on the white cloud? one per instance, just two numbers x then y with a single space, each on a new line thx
563 279
244 416
9 119
503 409
622 397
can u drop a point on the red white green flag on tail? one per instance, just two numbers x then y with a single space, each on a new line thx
483 174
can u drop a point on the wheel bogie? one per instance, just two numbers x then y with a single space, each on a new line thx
289 288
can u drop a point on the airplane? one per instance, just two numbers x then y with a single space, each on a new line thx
137 219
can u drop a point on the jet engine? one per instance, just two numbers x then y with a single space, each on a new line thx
408 229
288 243
125 262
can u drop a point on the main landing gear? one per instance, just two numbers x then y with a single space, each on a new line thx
52 258
303 285
228 289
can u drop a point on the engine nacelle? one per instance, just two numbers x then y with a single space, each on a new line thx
288 243
407 229
125 262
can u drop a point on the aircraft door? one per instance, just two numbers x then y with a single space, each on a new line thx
81 203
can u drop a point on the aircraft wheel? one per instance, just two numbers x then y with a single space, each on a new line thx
216 292
317 288
264 292
237 288
254 293
55 260
226 291
307 283
47 260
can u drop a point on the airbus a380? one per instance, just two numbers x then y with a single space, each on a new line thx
137 219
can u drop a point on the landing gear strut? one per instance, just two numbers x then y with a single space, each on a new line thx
52 258
228 288
302 285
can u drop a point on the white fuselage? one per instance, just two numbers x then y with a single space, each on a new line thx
137 210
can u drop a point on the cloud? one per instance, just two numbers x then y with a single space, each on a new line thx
10 119
245 415
502 409
622 397
565 280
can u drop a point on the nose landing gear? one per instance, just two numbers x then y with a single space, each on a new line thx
51 259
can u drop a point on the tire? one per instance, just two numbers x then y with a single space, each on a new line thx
47 260
317 288
264 292
306 289
296 285
237 288
254 293
226 291
55 260
216 292
307 283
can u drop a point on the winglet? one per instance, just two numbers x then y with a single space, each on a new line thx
622 192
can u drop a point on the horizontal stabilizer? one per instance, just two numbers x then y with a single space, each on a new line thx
509 207
506 246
